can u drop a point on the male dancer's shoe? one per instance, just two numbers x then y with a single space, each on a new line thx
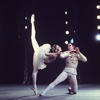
70 91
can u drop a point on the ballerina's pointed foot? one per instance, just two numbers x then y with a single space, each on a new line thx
35 90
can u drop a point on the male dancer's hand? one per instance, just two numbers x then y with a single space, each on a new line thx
77 49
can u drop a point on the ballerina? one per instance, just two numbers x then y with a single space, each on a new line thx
41 54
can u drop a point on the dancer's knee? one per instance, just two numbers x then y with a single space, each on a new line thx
34 73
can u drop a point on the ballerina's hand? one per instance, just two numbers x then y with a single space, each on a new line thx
73 50
32 18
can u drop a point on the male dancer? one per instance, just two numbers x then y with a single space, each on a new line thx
71 62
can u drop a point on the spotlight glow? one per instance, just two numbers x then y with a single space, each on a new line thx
19 36
66 22
25 27
66 42
98 27
97 37
67 32
98 16
65 12
74 31
98 6
25 18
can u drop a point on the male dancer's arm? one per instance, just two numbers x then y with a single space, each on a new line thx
80 55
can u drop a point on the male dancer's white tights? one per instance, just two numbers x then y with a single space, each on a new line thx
63 76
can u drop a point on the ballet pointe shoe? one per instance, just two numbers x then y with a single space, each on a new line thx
35 90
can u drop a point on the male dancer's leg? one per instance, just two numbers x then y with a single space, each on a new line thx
73 82
58 80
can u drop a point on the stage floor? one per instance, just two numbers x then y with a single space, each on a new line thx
24 92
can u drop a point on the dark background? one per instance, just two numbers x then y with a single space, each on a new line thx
50 27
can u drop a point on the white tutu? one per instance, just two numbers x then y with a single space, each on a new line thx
41 55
